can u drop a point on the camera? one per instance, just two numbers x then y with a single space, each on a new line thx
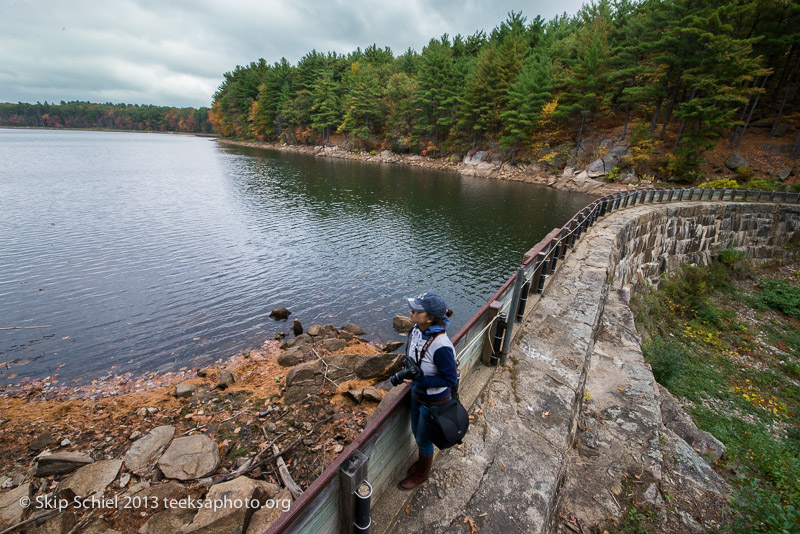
411 371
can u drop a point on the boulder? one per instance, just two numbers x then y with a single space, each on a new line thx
356 394
185 389
378 365
60 524
93 478
353 329
42 441
302 339
190 458
225 379
402 324
392 346
322 331
783 174
280 314
145 451
333 344
677 420
373 394
248 493
308 373
735 161
61 463
290 358
10 509
168 521
272 510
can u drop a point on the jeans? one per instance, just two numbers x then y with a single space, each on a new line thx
419 426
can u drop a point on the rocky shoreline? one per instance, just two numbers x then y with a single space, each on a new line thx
479 164
216 449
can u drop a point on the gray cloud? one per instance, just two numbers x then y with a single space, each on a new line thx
174 53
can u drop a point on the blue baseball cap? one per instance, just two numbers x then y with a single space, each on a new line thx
431 303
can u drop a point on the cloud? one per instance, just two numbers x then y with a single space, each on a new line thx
175 53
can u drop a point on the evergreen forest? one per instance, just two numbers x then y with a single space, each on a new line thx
105 116
672 77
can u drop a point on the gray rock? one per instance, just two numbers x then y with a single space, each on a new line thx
392 346
42 441
681 423
353 329
334 344
356 394
602 166
190 458
61 463
231 519
93 478
378 365
373 395
290 358
783 174
266 515
185 389
305 374
480 156
143 453
297 327
168 521
60 524
302 339
402 324
323 331
225 379
10 509
135 435
735 161
280 314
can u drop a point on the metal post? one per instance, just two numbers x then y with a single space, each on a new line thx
363 520
351 474
488 355
514 305
544 272
523 300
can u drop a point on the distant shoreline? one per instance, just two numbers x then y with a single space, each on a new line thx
8 127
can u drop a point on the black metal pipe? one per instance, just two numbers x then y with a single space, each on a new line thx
523 300
497 340
363 495
544 274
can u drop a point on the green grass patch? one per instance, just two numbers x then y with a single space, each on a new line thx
781 296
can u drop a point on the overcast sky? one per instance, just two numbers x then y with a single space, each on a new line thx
174 52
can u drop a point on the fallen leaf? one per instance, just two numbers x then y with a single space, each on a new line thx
408 508
545 414
502 466
472 526
621 389
237 430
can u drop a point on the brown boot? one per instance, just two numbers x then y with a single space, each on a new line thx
420 475
413 468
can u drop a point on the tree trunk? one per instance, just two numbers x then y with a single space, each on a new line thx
750 115
655 114
683 121
780 113
671 106
580 132
796 149
627 116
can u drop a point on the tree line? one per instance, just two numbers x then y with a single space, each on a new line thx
106 116
686 72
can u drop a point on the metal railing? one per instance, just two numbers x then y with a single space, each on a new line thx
387 441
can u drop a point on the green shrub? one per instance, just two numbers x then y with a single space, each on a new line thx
769 185
665 357
759 510
780 295
613 175
721 184
744 174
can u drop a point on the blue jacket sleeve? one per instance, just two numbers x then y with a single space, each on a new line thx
445 360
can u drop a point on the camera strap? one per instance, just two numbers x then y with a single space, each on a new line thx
420 356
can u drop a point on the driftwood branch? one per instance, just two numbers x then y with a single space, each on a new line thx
286 477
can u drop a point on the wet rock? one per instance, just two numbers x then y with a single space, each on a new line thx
378 365
373 395
42 441
225 379
230 518
10 509
303 339
184 389
280 314
290 358
297 327
333 344
272 510
735 161
93 478
402 324
61 463
190 458
60 524
168 521
353 329
392 346
143 453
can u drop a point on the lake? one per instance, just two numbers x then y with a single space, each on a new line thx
150 252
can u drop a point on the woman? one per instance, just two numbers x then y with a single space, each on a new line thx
429 346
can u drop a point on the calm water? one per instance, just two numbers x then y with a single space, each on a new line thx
153 252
